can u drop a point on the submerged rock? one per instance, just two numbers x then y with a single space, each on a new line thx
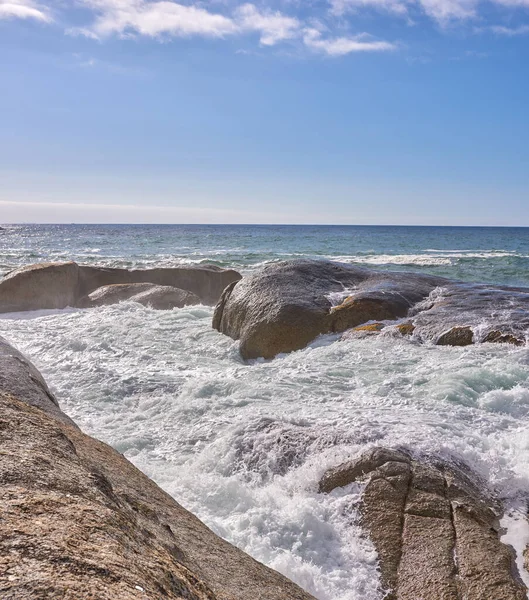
79 521
363 331
58 285
435 527
498 337
406 328
457 336
286 305
160 297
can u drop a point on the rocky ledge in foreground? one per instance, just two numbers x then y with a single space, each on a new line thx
58 285
286 305
79 522
434 526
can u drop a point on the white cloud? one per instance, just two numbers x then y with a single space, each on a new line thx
23 9
344 45
445 11
153 19
442 11
341 7
513 3
510 31
273 26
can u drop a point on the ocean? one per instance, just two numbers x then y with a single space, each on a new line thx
243 444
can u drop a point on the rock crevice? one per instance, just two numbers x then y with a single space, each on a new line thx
435 528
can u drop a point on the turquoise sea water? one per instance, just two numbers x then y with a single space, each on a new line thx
495 255
243 444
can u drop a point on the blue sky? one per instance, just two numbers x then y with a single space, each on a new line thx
331 111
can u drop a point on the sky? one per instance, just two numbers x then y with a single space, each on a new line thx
273 111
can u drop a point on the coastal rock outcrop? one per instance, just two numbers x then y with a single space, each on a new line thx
160 297
58 285
435 528
21 379
81 522
286 305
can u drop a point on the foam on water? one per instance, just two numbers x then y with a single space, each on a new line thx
244 445
483 254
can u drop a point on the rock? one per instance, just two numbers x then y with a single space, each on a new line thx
20 378
58 285
435 527
286 305
497 337
463 306
40 286
457 336
160 297
81 522
363 331
206 282
355 311
406 328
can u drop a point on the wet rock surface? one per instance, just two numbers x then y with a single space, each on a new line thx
78 521
20 378
457 336
286 305
160 297
58 285
435 527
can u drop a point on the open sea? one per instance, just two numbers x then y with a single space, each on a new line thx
243 445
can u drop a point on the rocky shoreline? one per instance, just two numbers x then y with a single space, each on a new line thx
286 305
80 521
59 285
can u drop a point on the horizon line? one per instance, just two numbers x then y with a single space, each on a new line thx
264 225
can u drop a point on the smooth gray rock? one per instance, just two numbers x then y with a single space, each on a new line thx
58 285
40 286
160 297
286 305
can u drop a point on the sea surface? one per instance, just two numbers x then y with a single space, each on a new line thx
243 444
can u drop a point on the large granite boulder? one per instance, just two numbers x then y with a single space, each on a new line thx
78 521
160 297
284 306
58 285
44 285
435 527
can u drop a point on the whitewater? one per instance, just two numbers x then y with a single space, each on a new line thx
243 444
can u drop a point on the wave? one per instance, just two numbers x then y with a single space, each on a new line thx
243 446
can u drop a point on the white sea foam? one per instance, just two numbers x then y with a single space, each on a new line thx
243 445
426 259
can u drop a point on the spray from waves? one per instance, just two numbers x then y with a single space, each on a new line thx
244 445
